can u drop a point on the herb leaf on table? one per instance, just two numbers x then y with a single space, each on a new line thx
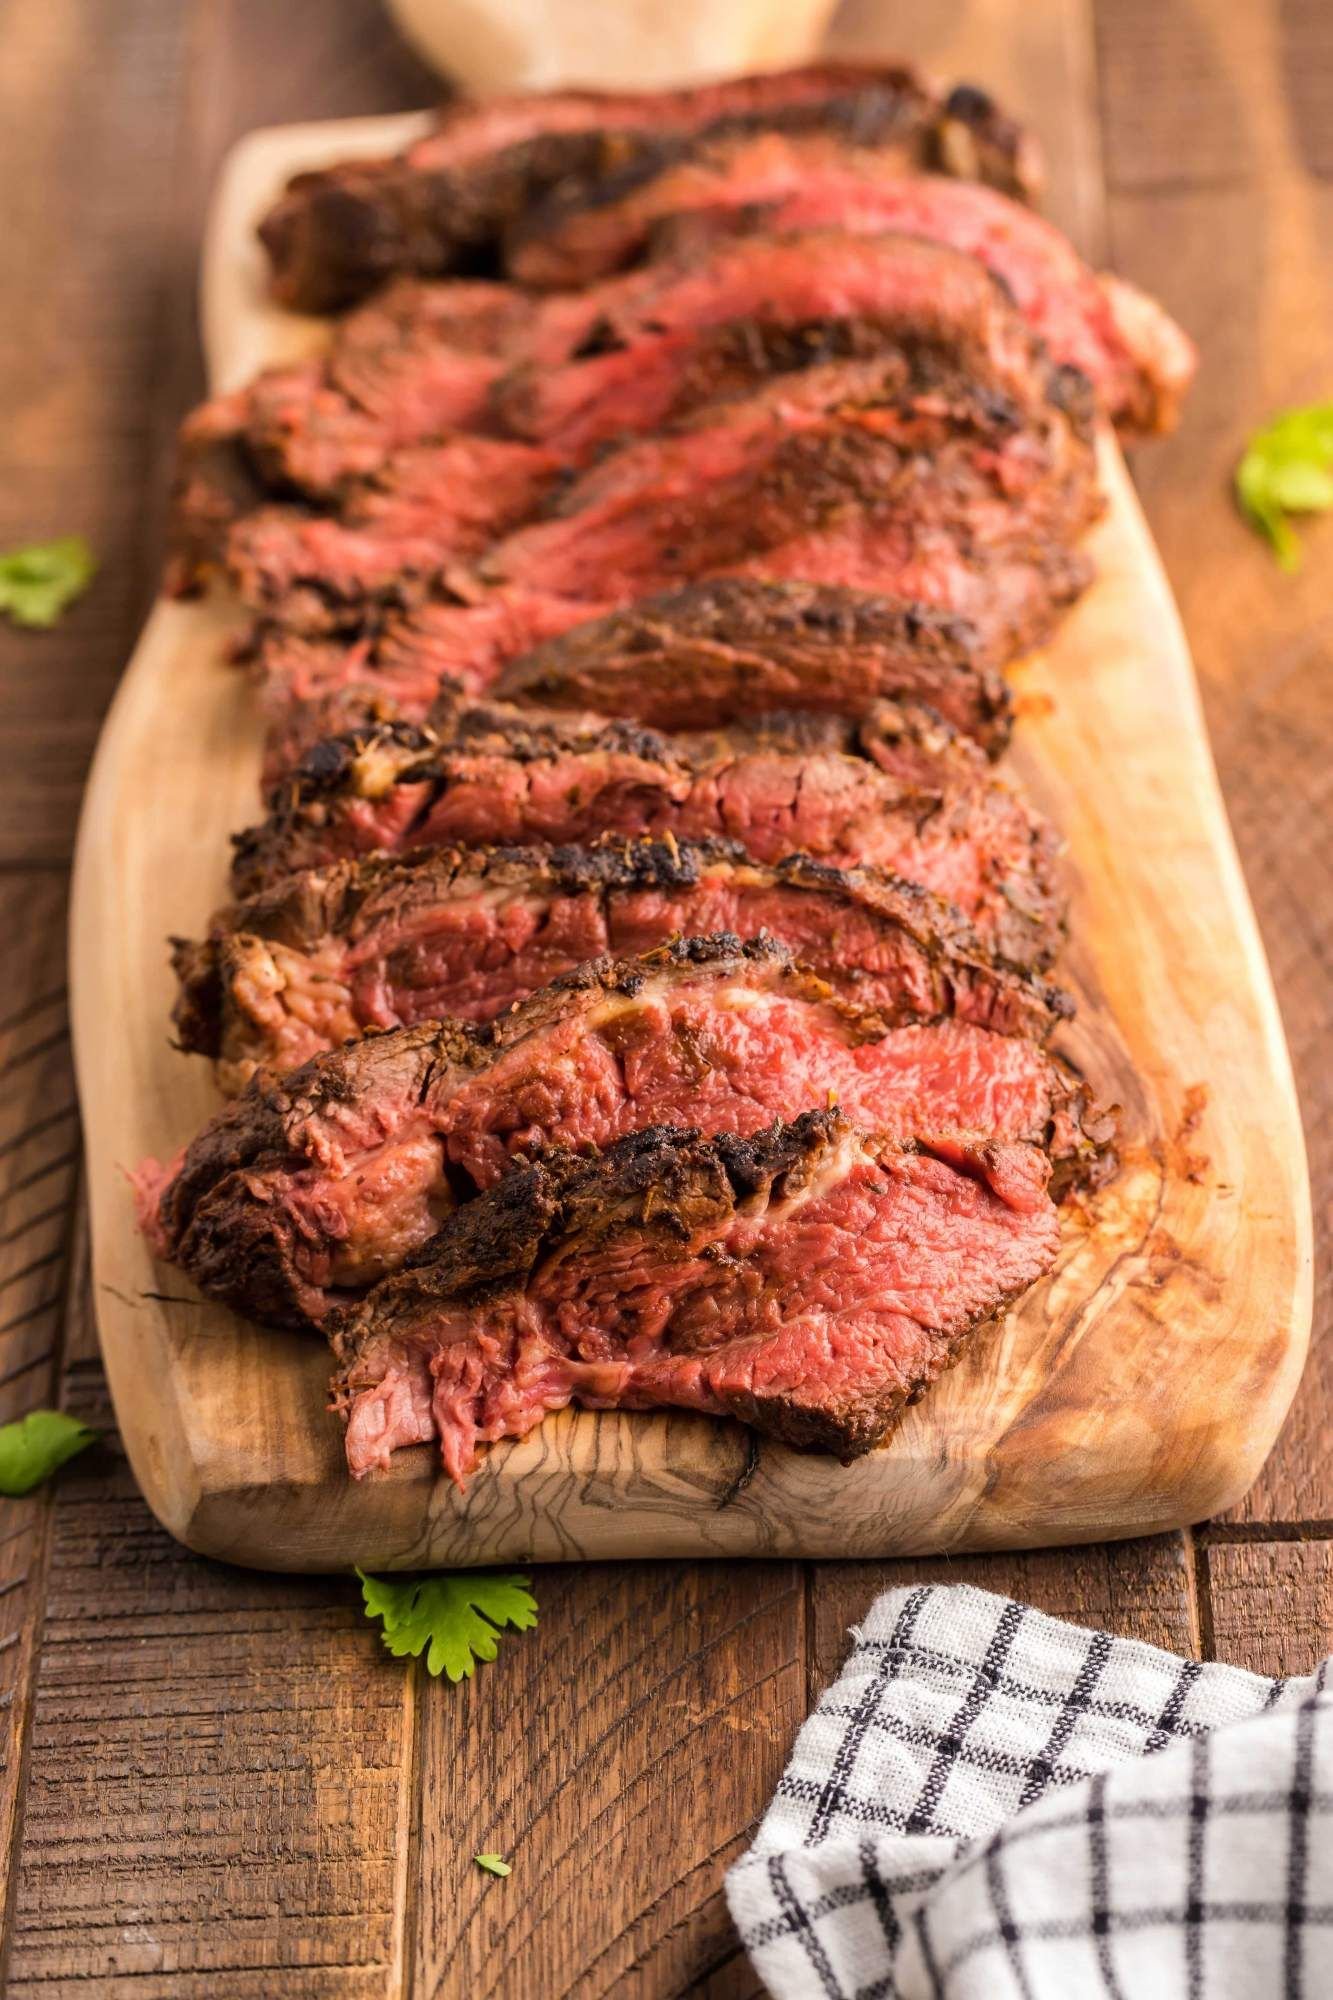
38 582
1288 469
494 1864
32 1449
455 1619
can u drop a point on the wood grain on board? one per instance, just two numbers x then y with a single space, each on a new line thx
1189 224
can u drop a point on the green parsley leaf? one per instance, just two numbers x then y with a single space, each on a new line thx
494 1864
37 583
1288 469
455 1616
31 1450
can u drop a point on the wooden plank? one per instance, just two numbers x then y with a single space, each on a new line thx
1270 1604
39 1142
618 1756
219 1769
1140 1589
1221 204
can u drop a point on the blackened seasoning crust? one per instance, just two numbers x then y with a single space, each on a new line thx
674 1269
339 951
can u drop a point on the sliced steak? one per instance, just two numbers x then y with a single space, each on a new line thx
445 203
314 1186
810 1280
571 371
897 475
1137 358
901 791
717 652
906 472
335 952
427 508
722 651
713 324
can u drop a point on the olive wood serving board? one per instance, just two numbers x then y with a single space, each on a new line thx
1138 1388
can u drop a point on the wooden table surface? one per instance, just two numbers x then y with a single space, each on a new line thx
214 1782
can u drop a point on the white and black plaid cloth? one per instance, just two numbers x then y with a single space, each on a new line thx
990 1804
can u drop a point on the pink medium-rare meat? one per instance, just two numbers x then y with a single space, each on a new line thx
572 371
899 791
445 203
428 508
810 1280
1138 360
905 471
359 946
680 334
309 1188
877 476
730 322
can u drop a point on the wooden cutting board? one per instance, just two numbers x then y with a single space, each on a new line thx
1138 1388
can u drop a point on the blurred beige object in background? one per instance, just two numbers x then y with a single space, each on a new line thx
502 45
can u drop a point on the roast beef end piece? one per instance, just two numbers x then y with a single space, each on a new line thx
333 236
809 1279
307 1190
448 202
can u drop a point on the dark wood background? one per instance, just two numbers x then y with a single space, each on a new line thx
215 1783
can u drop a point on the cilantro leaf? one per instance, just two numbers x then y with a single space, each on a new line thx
37 583
31 1450
456 1616
494 1864
1288 469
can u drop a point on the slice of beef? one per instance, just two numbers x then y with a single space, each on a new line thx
710 653
422 359
445 203
1138 359
335 952
679 335
409 367
899 791
810 1280
306 1189
903 475
425 509
906 472
721 651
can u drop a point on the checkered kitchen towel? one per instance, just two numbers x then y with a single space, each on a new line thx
992 1805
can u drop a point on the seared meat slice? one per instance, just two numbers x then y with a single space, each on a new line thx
710 653
810 1280
906 473
577 369
716 323
427 508
738 647
314 1186
413 364
899 791
338 951
445 203
1137 358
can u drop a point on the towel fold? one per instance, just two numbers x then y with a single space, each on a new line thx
989 1804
